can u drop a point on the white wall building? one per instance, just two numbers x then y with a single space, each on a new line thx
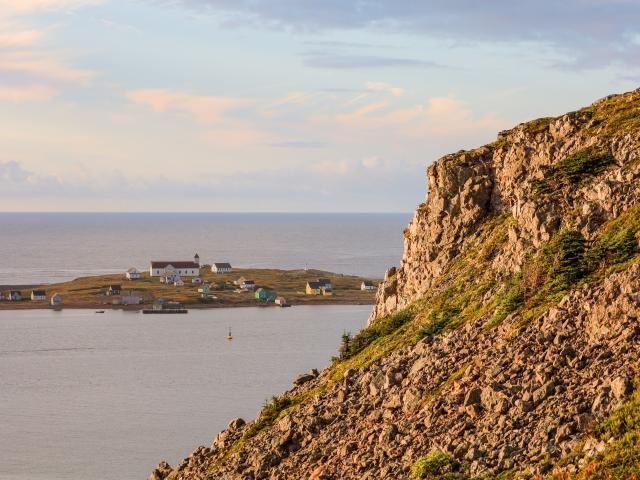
221 268
185 269
133 274
368 286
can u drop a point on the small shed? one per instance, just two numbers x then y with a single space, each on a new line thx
114 290
248 285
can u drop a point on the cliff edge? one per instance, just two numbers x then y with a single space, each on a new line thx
505 345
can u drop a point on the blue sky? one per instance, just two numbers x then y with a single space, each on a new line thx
282 105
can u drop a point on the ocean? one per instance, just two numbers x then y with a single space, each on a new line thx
86 396
52 247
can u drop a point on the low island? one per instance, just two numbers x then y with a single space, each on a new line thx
241 287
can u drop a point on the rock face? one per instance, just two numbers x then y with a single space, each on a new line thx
467 188
493 395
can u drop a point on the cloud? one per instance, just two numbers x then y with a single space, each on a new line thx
19 38
342 62
29 93
43 65
576 28
439 116
203 109
299 144
377 86
9 8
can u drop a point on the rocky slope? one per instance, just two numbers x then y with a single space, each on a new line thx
503 341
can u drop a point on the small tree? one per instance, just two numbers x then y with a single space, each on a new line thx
345 344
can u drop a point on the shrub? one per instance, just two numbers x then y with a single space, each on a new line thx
540 186
566 256
380 328
434 465
269 414
438 321
615 246
572 169
511 300
589 161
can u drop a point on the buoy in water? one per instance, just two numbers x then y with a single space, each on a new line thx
229 337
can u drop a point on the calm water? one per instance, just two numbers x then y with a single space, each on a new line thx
106 397
41 248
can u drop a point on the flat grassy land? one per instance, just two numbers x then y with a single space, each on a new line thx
90 292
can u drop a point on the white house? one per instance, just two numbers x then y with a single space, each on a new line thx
56 300
38 295
221 268
367 285
186 269
248 285
133 274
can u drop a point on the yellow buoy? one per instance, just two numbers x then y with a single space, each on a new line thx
229 337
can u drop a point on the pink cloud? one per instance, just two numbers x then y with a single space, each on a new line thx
26 93
203 109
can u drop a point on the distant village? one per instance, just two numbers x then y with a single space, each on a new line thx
179 273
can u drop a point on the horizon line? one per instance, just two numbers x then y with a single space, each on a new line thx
207 212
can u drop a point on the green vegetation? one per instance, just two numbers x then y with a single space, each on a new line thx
616 115
618 243
573 169
436 466
382 327
589 161
269 414
510 299
565 258
539 125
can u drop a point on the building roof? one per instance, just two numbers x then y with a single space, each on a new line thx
133 270
115 287
324 281
164 264
39 293
222 265
248 282
368 283
315 285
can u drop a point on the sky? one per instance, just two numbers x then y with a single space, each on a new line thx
282 105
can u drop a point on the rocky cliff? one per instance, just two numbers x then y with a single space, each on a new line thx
506 342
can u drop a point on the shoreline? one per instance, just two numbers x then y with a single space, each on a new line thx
28 305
